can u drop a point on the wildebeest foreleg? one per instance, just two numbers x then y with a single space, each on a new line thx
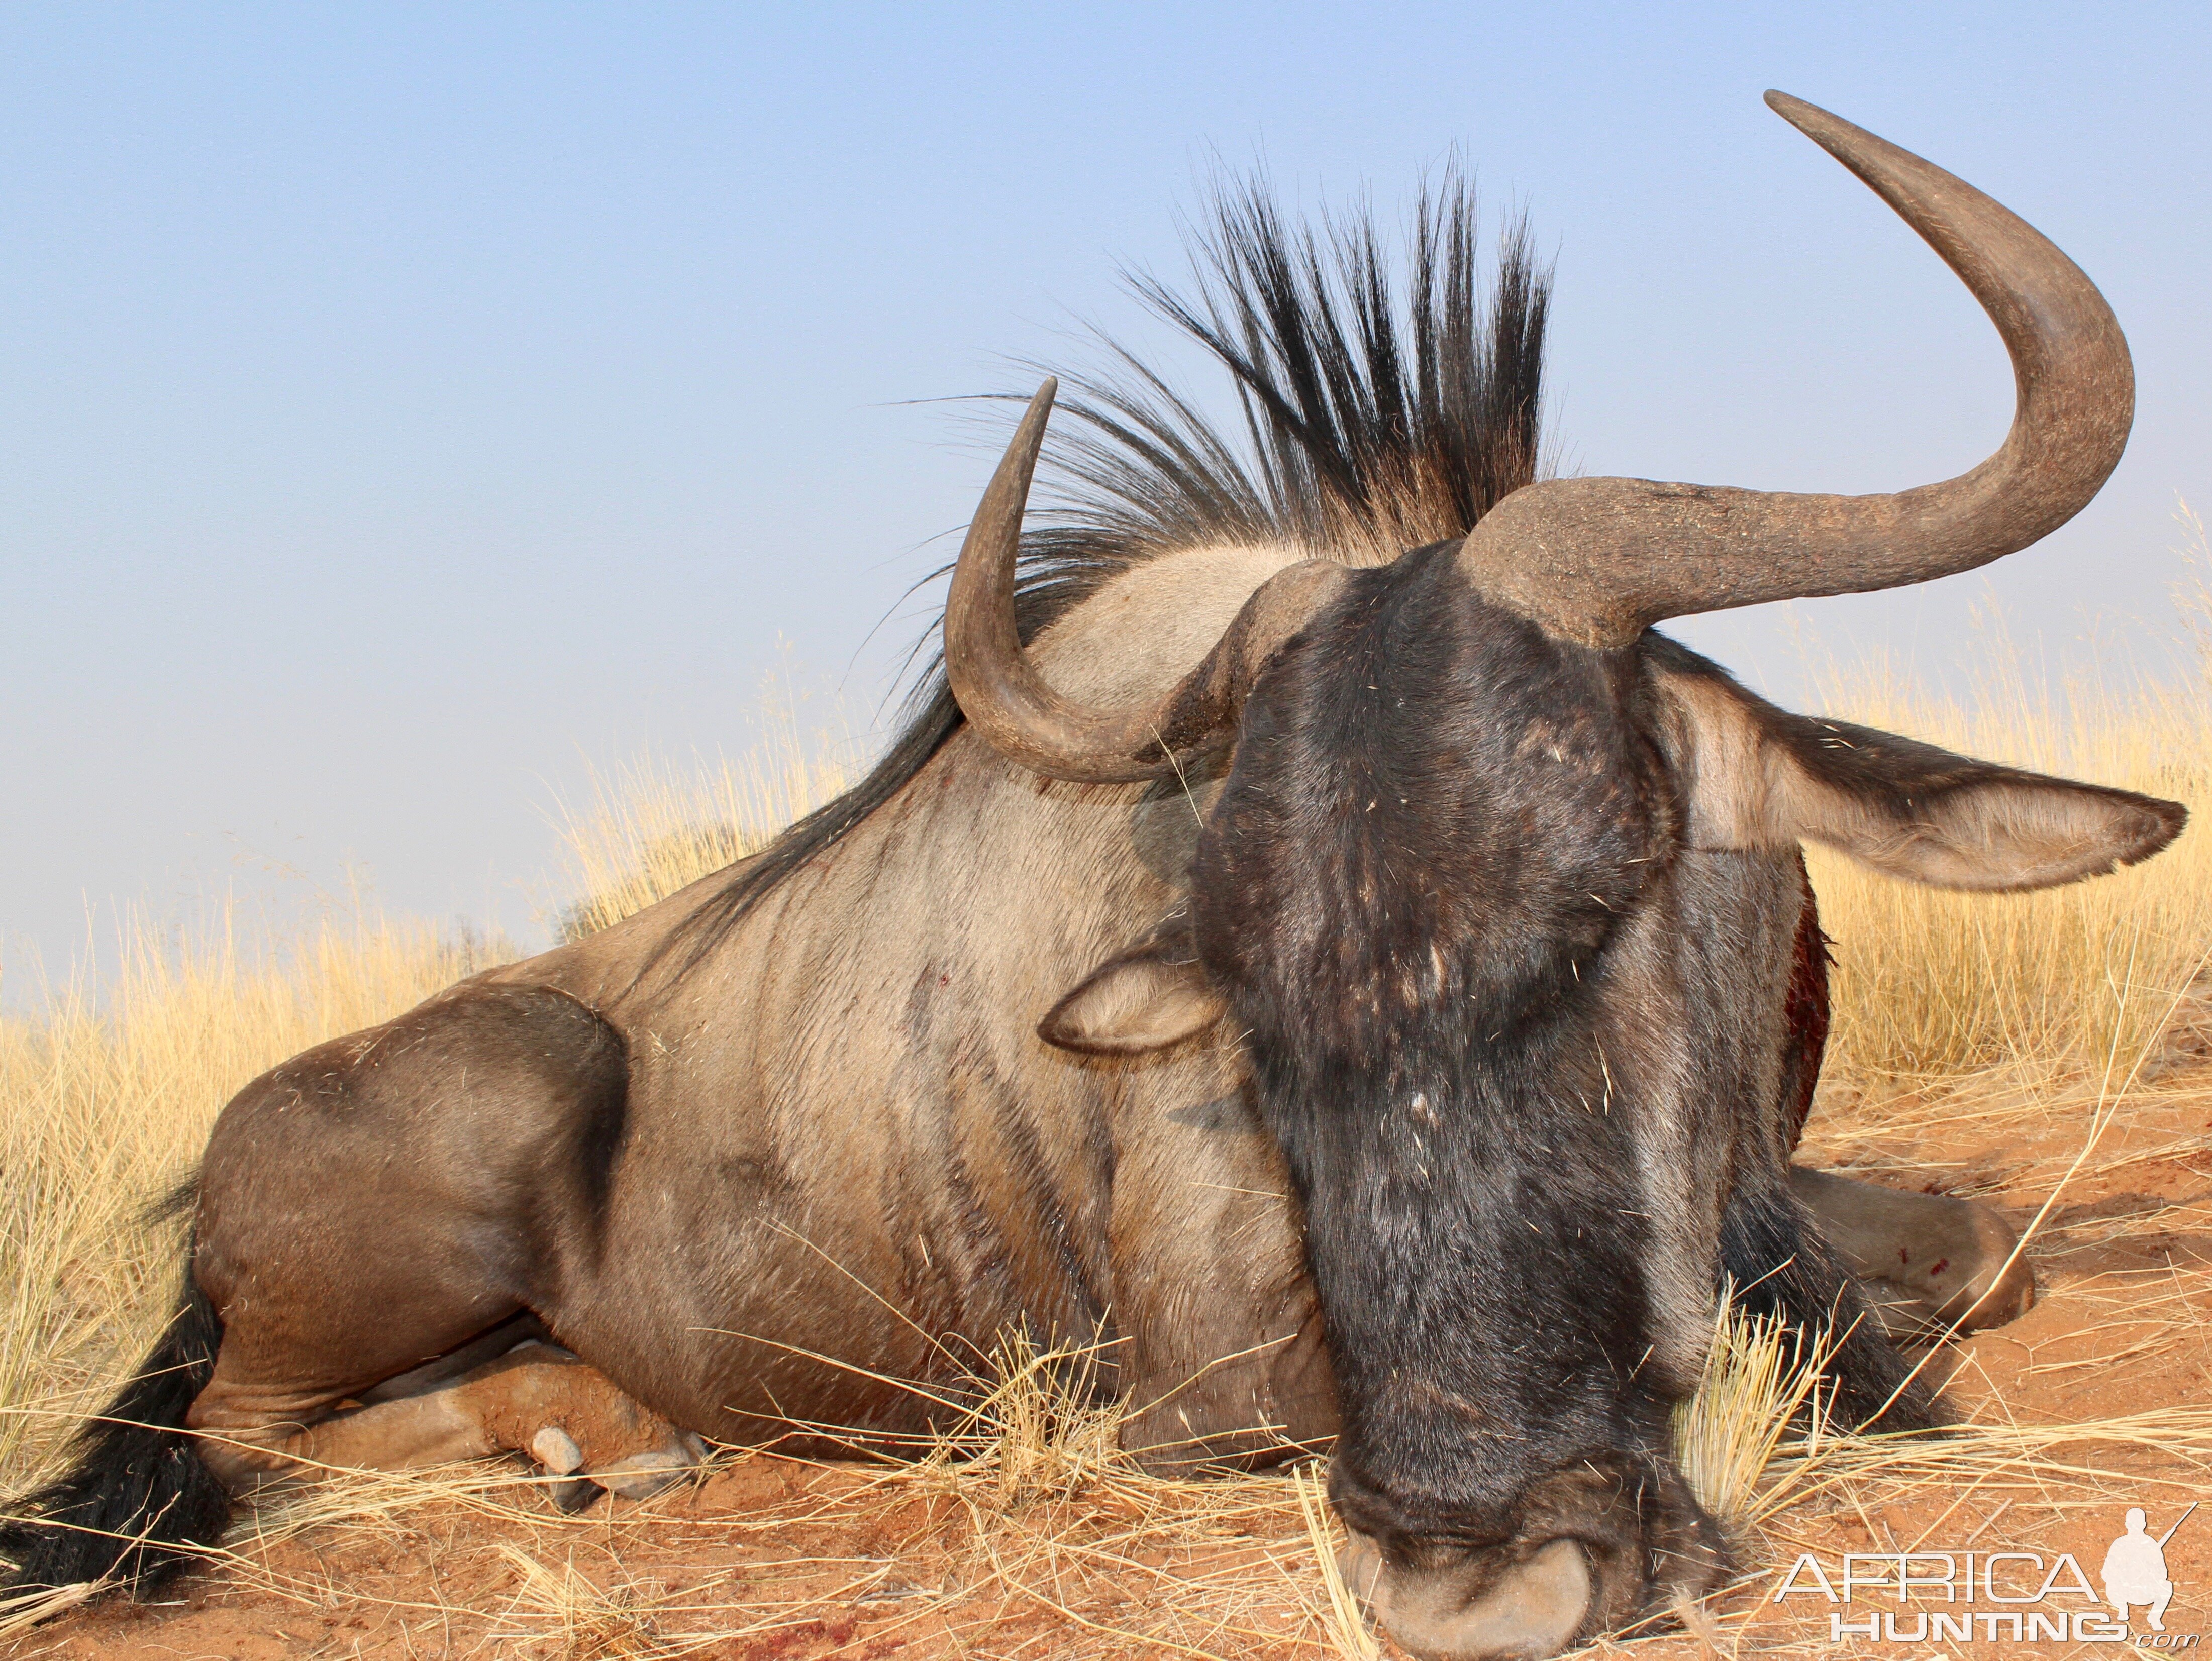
535 1400
1780 1268
1934 1262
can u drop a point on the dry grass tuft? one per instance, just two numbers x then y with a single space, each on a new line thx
26 1610
654 828
1761 1378
1340 1613
593 1623
1039 1430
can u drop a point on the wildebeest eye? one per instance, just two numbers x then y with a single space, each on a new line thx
1587 933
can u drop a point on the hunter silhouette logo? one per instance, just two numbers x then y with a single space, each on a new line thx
2135 1569
2001 1594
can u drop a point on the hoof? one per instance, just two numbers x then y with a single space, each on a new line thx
577 1493
556 1450
641 1476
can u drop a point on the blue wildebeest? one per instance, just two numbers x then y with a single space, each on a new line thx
1377 990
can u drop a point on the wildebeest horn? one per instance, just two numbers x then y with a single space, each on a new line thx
1598 560
1004 698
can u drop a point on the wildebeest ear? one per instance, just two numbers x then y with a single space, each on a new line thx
1153 994
1757 776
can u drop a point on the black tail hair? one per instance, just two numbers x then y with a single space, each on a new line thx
136 1497
1772 1252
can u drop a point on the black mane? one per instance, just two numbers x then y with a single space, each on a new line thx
1370 423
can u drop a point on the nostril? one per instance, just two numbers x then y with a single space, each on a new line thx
1528 1610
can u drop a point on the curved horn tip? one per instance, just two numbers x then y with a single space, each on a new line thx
1029 433
1805 117
1022 452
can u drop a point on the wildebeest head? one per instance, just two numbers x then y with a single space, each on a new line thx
1498 894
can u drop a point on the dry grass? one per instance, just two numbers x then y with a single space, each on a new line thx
2055 1034
1757 1444
593 1622
655 826
1761 1382
1099 1558
1038 1430
1936 985
1341 1616
106 1098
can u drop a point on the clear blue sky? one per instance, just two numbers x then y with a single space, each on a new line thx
405 408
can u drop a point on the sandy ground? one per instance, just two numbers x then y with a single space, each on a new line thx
770 1557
